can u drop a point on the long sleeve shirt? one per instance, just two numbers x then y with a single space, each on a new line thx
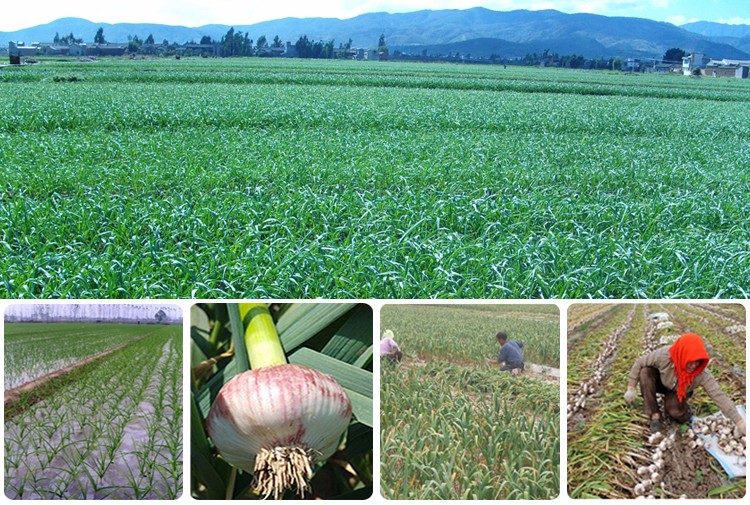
660 360
510 352
388 346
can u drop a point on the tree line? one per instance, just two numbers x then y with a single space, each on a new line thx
236 43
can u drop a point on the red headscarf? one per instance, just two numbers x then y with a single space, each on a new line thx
689 347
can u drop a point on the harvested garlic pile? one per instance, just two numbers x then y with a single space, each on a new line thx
652 474
577 400
721 427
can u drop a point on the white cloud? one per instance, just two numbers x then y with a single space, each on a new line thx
735 21
676 20
680 20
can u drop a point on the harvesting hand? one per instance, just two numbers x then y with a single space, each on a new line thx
630 396
740 429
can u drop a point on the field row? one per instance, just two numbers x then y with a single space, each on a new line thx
112 429
451 433
269 179
383 75
36 349
603 429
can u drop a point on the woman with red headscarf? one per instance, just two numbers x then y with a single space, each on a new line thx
675 371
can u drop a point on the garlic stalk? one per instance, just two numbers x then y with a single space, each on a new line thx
277 420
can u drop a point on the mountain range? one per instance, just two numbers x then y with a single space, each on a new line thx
477 31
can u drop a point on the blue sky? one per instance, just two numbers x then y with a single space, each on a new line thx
239 12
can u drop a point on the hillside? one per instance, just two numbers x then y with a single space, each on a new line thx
710 29
591 35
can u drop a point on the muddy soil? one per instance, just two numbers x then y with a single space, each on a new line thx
689 471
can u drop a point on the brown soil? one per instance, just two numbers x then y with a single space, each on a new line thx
583 329
31 388
688 471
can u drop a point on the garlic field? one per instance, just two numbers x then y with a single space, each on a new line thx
284 178
110 429
452 425
611 451
33 350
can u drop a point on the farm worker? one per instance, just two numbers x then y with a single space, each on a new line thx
675 371
510 354
389 349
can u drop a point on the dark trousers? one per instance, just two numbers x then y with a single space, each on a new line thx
511 365
650 385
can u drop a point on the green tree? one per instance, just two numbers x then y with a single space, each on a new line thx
206 39
277 42
149 39
262 42
99 37
56 40
304 47
134 44
382 48
673 55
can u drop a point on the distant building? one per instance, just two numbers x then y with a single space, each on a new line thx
57 50
200 49
77 50
21 49
738 69
291 51
106 50
693 63
631 65
664 68
271 51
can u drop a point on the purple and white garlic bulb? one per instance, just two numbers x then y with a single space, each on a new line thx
277 422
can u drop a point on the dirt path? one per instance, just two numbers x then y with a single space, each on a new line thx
13 396
542 373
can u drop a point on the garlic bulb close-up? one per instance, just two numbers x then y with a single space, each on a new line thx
277 422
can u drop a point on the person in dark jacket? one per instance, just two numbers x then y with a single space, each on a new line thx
510 354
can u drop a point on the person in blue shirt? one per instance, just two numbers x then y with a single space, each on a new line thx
510 354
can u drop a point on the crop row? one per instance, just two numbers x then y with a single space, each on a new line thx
381 76
610 452
49 108
584 314
450 432
36 349
274 190
606 442
467 333
113 429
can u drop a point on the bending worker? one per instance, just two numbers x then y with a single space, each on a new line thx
389 349
510 354
675 371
